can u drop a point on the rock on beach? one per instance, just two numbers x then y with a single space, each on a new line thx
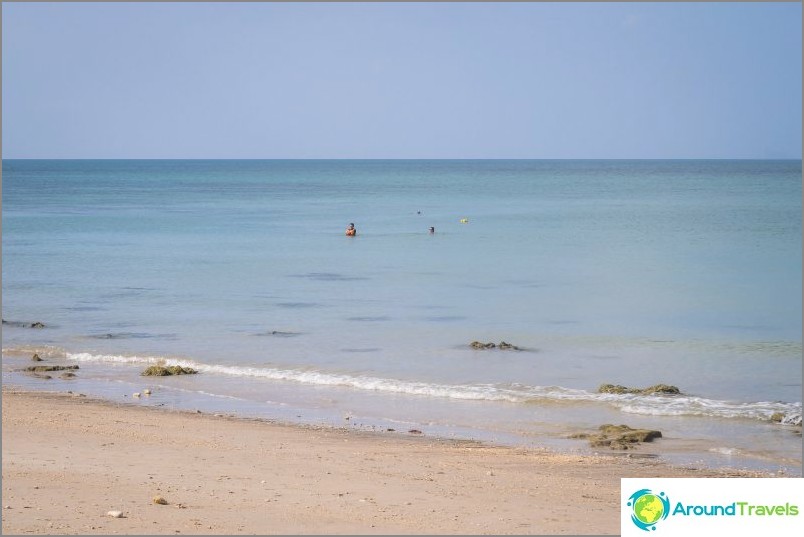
663 389
164 371
618 436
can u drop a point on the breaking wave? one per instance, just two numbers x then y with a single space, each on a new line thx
658 405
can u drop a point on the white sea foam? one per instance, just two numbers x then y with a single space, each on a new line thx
725 450
657 405
119 358
792 418
699 406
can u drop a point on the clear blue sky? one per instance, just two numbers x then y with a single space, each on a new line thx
402 80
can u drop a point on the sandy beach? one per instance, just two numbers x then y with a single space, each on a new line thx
69 460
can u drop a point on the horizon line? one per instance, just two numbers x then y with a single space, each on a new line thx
399 159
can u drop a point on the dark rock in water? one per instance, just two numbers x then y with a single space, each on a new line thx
36 358
40 368
41 376
616 388
67 375
164 371
279 333
629 434
663 389
415 431
502 346
19 324
618 436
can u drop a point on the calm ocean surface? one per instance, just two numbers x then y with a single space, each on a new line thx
625 272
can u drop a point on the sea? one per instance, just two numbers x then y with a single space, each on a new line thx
625 272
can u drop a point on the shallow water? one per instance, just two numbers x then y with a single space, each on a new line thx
626 272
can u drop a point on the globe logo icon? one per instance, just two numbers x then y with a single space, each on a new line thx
648 508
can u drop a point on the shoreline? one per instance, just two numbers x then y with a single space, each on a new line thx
755 444
68 460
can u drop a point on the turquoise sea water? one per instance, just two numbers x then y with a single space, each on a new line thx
626 272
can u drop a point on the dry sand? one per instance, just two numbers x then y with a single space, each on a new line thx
68 460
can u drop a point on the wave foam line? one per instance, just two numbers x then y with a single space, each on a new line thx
657 405
685 405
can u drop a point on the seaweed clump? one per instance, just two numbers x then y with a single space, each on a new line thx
165 371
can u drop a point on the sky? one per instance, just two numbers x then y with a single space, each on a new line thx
402 80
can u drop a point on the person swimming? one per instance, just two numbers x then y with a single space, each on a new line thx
432 230
351 231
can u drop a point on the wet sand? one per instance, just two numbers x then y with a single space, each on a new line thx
68 460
